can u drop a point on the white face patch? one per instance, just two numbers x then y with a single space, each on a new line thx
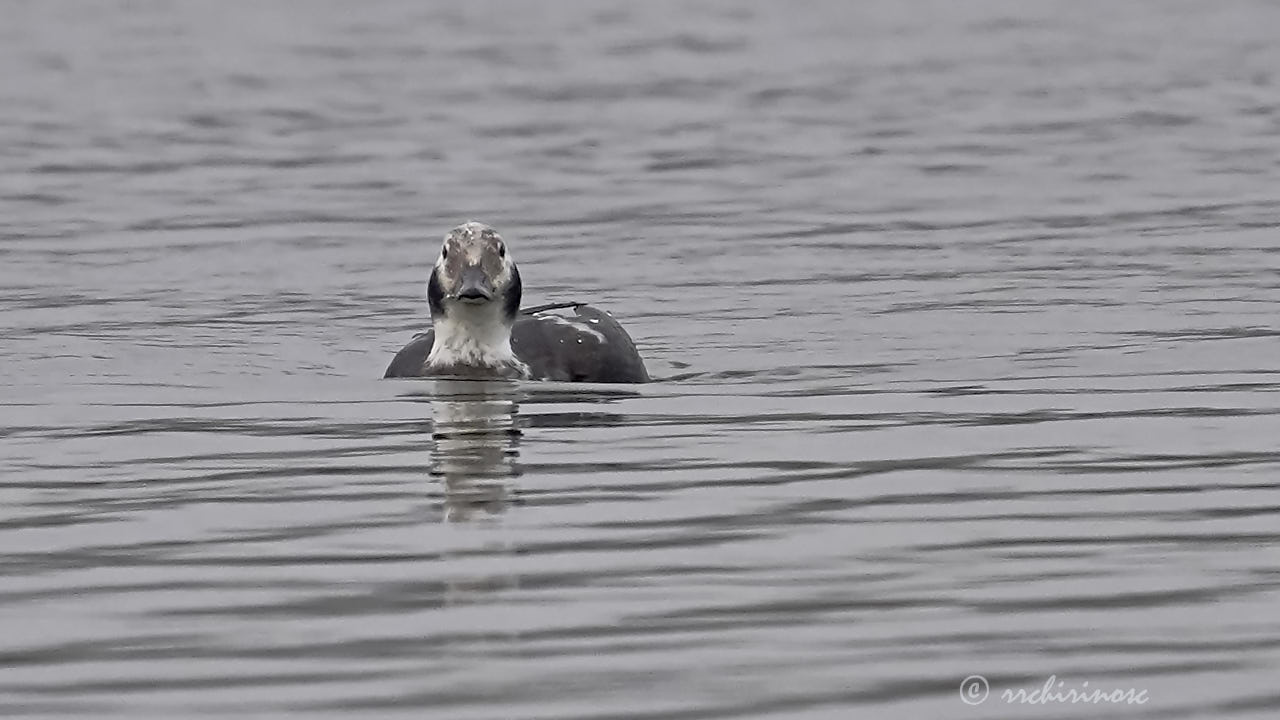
474 245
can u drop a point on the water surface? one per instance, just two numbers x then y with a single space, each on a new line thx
962 319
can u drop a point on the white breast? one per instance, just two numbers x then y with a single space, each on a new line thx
475 339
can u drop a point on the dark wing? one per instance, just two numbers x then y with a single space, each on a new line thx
409 361
589 346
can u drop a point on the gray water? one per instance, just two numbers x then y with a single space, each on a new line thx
962 316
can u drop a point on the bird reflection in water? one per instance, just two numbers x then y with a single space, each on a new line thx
476 446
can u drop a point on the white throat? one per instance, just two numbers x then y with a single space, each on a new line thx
473 339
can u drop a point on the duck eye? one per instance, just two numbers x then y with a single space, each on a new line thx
502 251
444 253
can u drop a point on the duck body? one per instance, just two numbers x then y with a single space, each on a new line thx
589 346
478 331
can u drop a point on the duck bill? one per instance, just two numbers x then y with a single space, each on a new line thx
474 286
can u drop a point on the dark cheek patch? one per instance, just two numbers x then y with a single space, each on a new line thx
511 300
435 293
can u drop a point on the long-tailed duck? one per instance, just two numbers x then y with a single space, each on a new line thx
479 332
